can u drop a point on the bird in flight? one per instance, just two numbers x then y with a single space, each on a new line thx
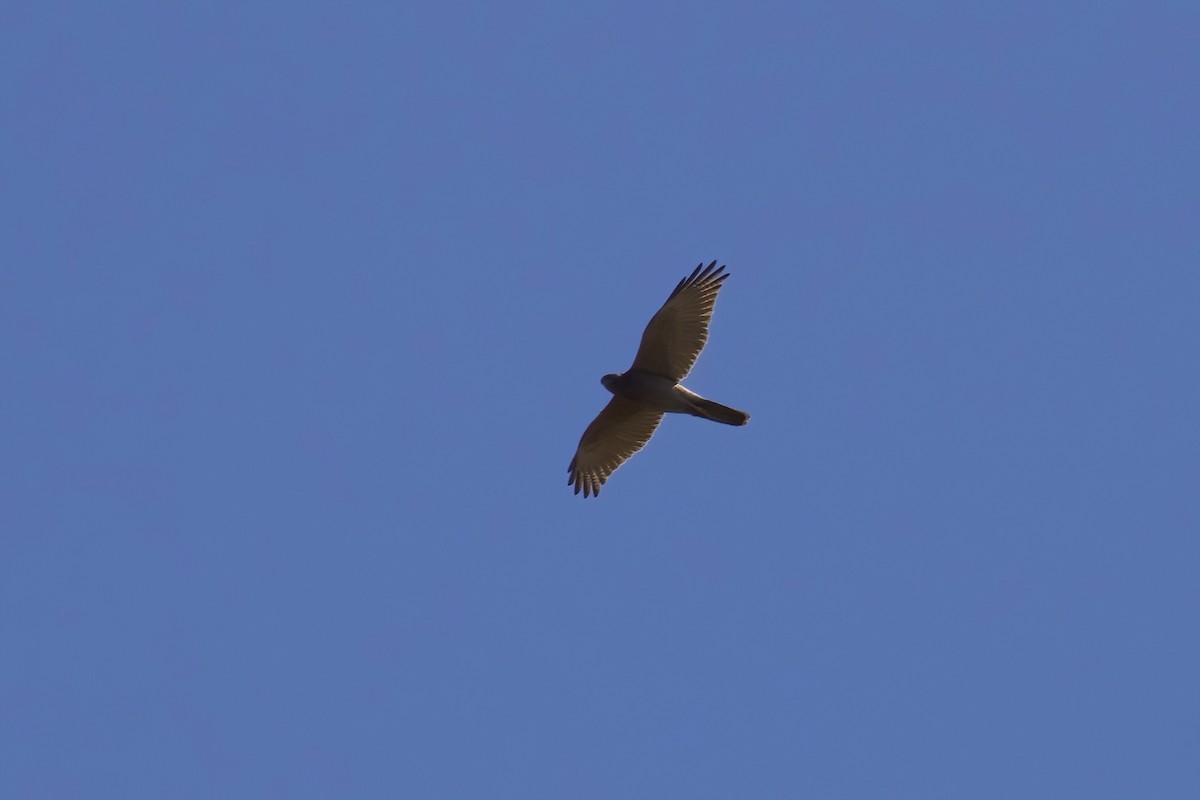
651 388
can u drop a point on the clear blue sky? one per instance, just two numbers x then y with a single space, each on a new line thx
304 308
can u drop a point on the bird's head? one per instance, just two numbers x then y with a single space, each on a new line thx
610 381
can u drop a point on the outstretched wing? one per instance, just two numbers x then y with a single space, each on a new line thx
677 333
617 432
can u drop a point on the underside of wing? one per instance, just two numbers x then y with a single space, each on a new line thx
619 431
677 333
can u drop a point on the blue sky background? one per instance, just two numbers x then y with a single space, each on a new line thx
304 308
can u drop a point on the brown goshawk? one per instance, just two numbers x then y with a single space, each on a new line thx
651 388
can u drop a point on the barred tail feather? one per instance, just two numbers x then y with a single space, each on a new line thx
718 413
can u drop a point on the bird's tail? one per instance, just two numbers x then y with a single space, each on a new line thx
703 407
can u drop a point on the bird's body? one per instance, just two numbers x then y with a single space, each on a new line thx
651 387
664 394
645 387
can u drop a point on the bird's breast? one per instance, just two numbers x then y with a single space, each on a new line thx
653 390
